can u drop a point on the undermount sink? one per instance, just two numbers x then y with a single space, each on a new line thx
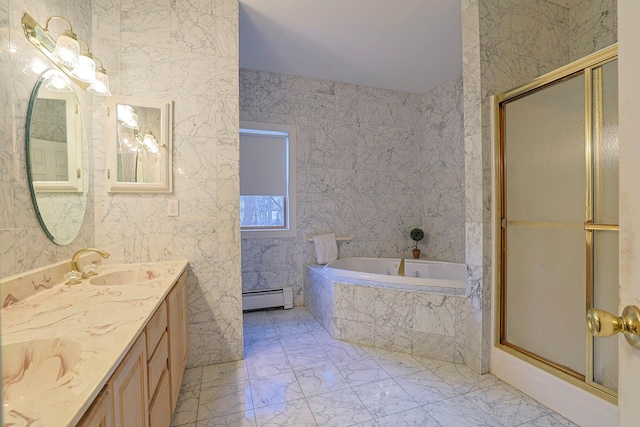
124 277
31 367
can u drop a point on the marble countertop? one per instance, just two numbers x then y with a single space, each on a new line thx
94 325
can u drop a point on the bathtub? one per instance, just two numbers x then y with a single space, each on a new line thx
385 270
363 300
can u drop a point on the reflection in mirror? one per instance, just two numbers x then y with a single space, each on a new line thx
139 145
56 155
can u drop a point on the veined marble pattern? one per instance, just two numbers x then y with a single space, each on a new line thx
24 246
186 52
362 158
419 322
82 331
374 388
506 44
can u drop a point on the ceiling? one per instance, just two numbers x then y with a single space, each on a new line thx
405 45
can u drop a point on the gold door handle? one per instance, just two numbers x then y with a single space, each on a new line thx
604 324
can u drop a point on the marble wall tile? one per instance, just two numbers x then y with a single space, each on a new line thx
24 245
433 346
166 57
593 25
506 44
362 154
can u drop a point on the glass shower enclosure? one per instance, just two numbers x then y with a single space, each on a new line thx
558 208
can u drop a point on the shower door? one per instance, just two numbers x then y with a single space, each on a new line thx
558 219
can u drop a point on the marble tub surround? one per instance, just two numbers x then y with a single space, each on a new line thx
91 326
419 320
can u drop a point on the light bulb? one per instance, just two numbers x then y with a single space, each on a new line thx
67 51
100 86
86 69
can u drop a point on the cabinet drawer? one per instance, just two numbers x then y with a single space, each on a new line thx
160 409
158 363
156 327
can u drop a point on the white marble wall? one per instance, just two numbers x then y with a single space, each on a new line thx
506 44
370 162
186 52
416 322
23 244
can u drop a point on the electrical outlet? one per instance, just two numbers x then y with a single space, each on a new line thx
172 207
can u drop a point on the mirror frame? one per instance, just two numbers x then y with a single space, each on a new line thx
164 139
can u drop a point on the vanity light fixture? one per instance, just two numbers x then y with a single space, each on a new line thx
65 53
86 69
100 85
67 50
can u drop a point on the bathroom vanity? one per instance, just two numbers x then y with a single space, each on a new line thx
110 351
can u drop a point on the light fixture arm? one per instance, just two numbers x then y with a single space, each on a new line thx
46 25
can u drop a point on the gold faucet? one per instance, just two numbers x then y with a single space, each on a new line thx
76 258
401 268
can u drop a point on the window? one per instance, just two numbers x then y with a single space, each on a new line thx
267 180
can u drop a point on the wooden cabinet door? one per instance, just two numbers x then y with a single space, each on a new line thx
178 335
159 410
100 414
129 387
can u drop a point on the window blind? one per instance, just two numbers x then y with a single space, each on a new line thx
263 164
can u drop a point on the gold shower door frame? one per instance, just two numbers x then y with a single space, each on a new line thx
590 66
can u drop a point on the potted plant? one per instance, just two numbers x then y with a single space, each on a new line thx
416 235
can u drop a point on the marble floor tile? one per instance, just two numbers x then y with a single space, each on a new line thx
552 420
224 400
187 408
275 389
397 364
417 417
322 336
305 358
341 352
224 373
506 406
362 372
294 414
264 365
384 398
463 378
426 387
239 419
262 346
291 327
338 409
460 412
297 342
192 379
320 380
253 333
295 374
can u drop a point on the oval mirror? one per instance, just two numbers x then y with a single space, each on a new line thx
56 157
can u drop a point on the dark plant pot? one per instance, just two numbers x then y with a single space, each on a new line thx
416 253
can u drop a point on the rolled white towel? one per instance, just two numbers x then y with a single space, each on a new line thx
326 248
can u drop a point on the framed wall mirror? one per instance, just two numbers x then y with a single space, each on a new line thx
56 152
139 149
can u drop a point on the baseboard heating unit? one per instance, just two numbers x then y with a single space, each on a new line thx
267 298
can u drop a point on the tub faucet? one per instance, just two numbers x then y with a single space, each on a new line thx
416 274
401 268
76 258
